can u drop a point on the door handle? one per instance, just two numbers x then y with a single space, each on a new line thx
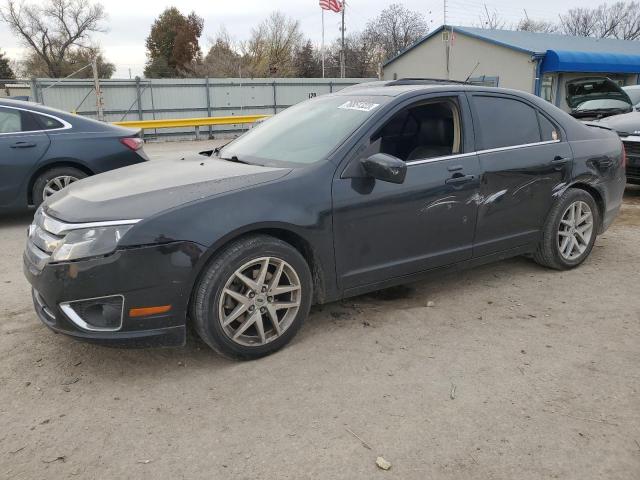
459 179
559 159
22 145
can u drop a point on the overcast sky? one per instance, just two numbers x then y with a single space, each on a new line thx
130 20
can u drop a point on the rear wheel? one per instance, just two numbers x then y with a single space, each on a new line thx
253 298
54 180
570 231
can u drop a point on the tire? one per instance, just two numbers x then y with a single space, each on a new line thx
221 297
552 252
46 182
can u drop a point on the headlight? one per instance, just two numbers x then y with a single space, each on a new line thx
89 242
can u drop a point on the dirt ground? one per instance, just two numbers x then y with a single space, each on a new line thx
515 372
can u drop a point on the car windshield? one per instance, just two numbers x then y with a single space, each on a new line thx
634 95
603 104
305 133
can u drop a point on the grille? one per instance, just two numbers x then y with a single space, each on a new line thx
632 149
633 172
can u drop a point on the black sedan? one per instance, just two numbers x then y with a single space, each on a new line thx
43 150
339 195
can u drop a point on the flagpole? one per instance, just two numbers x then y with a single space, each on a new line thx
342 59
323 43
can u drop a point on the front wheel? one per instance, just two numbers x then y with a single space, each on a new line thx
570 231
253 298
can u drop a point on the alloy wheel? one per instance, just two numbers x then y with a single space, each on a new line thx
575 230
56 184
260 301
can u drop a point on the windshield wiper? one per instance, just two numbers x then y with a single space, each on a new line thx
217 150
235 159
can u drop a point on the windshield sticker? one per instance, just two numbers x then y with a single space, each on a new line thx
361 106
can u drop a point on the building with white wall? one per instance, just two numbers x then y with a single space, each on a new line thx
538 63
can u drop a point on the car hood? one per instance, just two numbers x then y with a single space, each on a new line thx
142 190
627 123
597 88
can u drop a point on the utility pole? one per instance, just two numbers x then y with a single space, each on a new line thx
444 6
342 55
96 81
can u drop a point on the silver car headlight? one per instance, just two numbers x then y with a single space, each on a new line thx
89 242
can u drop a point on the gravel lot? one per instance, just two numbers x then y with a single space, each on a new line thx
515 372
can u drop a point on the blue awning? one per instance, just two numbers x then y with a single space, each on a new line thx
594 62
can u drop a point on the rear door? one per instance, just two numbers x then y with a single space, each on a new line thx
22 145
525 160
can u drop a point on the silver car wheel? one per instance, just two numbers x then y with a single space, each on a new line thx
56 184
260 301
575 230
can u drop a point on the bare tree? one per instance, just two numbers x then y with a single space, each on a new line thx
223 59
270 50
490 19
629 27
362 57
616 20
395 29
579 22
53 29
528 24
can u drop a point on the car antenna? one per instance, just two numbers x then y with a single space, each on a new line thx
471 72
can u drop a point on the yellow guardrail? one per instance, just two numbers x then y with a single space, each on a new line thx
191 122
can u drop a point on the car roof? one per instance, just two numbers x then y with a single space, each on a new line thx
395 88
36 107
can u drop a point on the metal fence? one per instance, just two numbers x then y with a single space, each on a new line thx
155 99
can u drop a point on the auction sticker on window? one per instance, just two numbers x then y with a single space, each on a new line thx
361 106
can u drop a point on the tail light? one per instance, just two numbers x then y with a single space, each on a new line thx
133 143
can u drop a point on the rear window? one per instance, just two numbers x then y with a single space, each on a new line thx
49 123
505 122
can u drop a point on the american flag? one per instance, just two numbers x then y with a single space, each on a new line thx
333 5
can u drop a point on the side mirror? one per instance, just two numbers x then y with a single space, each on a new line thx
386 168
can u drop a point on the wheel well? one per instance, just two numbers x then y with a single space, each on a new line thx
306 250
50 166
597 196
297 242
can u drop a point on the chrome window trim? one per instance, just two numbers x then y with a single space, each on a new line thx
480 152
58 227
66 125
68 310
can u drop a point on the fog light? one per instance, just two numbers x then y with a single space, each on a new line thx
102 314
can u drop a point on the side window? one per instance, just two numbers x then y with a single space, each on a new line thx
15 121
10 121
505 122
48 123
424 130
549 130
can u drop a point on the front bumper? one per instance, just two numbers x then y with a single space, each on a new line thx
144 276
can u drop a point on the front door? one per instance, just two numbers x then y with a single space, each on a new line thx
21 147
384 230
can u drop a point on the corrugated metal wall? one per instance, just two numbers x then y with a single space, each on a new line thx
143 99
